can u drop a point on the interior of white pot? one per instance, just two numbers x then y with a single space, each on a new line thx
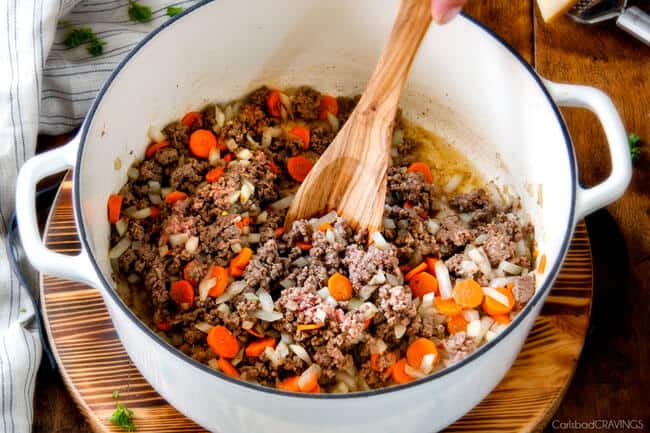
464 85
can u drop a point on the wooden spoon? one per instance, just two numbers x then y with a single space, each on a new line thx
350 176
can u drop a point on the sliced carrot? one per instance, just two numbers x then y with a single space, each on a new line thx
399 372
416 270
214 174
325 227
201 142
221 275
374 362
151 150
191 117
243 222
273 103
302 133
420 167
182 293
305 246
328 105
228 157
423 283
187 270
340 287
175 196
418 350
542 264
468 293
457 324
299 167
222 342
274 168
255 348
503 319
114 207
366 323
227 368
235 271
535 253
404 268
289 384
163 326
279 231
255 333
408 205
494 307
431 265
314 390
448 307
155 212
240 261
221 145
309 326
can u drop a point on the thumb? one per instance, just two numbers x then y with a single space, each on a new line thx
444 11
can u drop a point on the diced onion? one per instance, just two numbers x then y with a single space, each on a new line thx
121 226
378 278
204 287
154 186
192 244
219 116
474 328
427 299
489 336
453 183
477 255
495 196
496 295
399 329
254 238
119 248
231 144
328 218
251 143
178 239
163 250
324 293
155 198
236 247
251 297
214 156
286 338
223 308
283 203
470 315
509 268
321 315
465 217
266 301
234 197
468 267
308 375
480 239
287 283
155 134
261 218
268 134
300 262
166 191
244 154
282 350
133 173
414 372
247 190
377 345
273 356
347 379
379 240
428 361
444 282
354 303
389 224
486 322
334 121
267 316
499 282
234 289
522 249
393 280
300 353
433 226
340 388
141 214
203 326
330 236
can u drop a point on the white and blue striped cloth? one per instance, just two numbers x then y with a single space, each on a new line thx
47 88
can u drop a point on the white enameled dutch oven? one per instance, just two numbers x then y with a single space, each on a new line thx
465 84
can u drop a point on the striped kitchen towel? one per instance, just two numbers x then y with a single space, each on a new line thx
46 87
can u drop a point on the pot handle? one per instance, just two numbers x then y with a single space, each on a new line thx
591 199
77 268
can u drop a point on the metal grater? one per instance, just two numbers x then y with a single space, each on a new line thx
631 19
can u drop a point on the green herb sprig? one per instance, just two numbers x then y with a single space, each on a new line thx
122 417
84 35
635 146
174 10
138 12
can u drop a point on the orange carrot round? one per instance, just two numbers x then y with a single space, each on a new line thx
163 326
191 117
182 293
328 105
222 342
302 133
299 167
448 307
151 150
468 293
243 222
431 265
274 168
340 287
418 350
416 270
457 324
503 319
423 283
325 227
221 275
201 142
255 348
273 103
420 167
305 246
228 157
155 212
494 307
240 261
290 384
227 368
309 326
175 196
214 174
114 207
279 231
399 372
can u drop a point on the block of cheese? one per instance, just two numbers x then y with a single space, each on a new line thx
551 9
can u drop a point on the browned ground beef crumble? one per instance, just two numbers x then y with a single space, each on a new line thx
382 317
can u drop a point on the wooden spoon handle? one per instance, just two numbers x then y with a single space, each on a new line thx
385 85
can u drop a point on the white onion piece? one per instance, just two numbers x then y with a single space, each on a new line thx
328 218
399 329
444 282
204 287
141 214
283 203
324 293
214 156
370 310
254 238
268 134
300 262
470 315
155 133
261 218
251 143
121 226
251 297
468 267
347 379
266 301
474 328
119 248
247 190
308 374
378 278
367 291
333 121
234 289
453 183
486 322
495 196
428 361
496 295
166 191
282 350
286 101
393 280
286 338
223 308
267 316
231 144
427 299
300 353
499 282
178 239
509 268
330 236
480 239
236 247
413 372
340 387
489 336
379 240
203 326
465 217
287 283
154 186
133 173
522 249
433 226
219 116
273 356
192 244
398 137
377 345
163 250
244 154
389 224
354 303
478 256
234 197
155 198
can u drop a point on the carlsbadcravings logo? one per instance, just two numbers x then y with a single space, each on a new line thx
598 424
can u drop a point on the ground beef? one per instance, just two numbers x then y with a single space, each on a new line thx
258 96
217 239
453 234
321 137
266 267
523 290
212 200
150 170
306 103
189 175
364 265
409 187
346 106
458 346
470 202
166 156
498 247
250 120
396 305
178 135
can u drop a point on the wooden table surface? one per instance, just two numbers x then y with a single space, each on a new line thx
612 379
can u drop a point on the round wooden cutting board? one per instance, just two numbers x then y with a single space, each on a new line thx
93 363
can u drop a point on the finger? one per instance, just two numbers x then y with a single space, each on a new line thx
444 11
